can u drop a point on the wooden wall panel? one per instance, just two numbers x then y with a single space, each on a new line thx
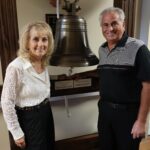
129 7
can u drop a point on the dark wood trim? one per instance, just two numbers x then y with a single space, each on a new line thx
91 75
9 32
85 142
129 7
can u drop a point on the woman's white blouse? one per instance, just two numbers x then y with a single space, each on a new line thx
23 86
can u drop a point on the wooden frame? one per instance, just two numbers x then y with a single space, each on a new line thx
84 82
51 19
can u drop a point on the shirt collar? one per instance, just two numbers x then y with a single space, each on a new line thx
121 42
27 64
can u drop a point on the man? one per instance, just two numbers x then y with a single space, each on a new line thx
124 70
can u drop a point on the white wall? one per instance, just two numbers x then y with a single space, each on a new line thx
84 111
79 119
32 10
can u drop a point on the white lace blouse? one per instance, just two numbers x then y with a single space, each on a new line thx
23 86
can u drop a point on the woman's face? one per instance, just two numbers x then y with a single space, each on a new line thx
38 44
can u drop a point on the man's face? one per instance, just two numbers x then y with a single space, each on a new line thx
112 27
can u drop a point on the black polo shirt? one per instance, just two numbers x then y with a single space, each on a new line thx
122 70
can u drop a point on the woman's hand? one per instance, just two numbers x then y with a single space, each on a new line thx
21 142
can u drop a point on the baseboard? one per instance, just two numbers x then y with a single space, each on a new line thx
86 142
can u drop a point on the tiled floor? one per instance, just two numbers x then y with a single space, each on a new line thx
4 142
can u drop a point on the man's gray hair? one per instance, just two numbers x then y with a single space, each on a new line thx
117 10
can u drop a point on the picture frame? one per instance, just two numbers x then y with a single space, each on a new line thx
51 19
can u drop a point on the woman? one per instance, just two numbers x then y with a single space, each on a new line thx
26 90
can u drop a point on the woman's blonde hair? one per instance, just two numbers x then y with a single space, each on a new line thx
41 27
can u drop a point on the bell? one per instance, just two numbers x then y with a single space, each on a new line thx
71 44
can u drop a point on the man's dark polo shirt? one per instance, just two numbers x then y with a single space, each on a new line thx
123 69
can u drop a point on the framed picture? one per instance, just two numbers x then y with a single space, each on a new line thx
51 19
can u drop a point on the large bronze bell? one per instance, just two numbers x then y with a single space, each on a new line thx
71 43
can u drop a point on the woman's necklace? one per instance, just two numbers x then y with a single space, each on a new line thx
38 67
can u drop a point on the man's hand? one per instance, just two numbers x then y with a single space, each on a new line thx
20 143
138 129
